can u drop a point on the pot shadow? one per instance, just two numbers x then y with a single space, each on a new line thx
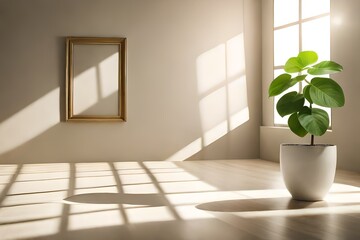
117 198
268 204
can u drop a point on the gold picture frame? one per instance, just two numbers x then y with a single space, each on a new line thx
95 79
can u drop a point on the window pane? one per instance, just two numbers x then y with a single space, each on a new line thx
286 44
278 120
285 11
316 37
312 8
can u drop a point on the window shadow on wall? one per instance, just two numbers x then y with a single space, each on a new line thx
223 101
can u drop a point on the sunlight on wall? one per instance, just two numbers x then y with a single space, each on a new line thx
187 151
86 88
30 122
215 133
235 57
213 115
93 85
237 101
222 89
44 113
211 69
239 118
337 20
109 82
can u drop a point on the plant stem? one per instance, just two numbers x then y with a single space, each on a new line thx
312 140
312 136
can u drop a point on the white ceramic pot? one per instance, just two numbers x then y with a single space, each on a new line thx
308 171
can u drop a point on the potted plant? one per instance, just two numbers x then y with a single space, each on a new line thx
308 169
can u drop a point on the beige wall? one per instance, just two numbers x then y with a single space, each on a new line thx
345 38
173 111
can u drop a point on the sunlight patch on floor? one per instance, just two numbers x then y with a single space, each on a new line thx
149 214
95 219
141 188
300 212
34 198
33 229
29 212
33 204
190 213
39 186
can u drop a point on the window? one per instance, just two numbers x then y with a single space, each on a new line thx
299 25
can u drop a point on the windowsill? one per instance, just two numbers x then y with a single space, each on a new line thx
285 128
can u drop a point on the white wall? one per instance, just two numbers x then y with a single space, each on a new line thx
170 43
345 38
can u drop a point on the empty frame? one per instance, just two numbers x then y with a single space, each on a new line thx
95 79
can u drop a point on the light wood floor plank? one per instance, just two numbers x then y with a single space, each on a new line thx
191 200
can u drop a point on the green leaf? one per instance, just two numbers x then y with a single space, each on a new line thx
280 84
290 103
295 125
306 92
315 121
325 67
293 66
326 92
297 64
306 58
297 79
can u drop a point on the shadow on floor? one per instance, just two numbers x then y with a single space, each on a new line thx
268 204
117 198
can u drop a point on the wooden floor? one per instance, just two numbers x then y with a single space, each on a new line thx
209 200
